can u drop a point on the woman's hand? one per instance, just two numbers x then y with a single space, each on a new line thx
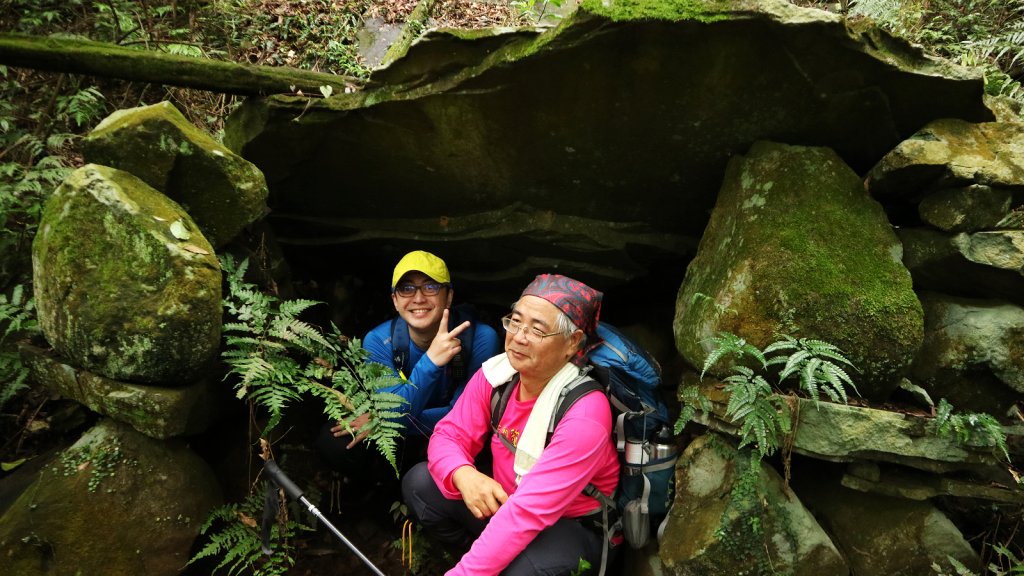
481 493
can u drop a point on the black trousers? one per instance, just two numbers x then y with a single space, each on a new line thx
555 551
362 461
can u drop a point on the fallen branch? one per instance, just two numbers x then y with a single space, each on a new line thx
78 56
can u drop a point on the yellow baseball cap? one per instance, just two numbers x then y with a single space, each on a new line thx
421 261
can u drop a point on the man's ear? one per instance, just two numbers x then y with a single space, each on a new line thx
394 300
451 296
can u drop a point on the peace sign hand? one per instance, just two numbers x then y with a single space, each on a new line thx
446 344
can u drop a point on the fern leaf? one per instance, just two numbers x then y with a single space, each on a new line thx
943 412
825 350
786 342
728 344
794 363
836 395
783 418
691 400
235 327
686 415
294 308
712 358
834 377
809 378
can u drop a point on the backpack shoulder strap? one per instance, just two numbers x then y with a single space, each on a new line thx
570 394
500 396
459 365
400 346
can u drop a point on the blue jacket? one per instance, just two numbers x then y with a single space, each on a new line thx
427 386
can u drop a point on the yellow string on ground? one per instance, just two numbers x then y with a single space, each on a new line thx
407 528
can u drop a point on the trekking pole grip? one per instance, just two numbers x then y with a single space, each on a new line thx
275 473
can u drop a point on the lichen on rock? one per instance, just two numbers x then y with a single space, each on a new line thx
116 291
221 191
795 246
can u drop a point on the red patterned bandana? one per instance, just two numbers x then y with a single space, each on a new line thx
581 303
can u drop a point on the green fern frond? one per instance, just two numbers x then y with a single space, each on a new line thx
836 395
943 413
970 428
14 376
17 318
235 327
691 401
233 537
299 333
837 381
295 308
817 364
728 344
809 378
252 344
783 416
17 313
823 349
785 342
794 363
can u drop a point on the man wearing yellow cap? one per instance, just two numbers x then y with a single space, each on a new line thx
433 347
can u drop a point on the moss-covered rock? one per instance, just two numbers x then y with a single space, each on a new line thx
950 153
725 521
220 190
795 246
116 503
973 353
125 284
845 433
885 536
986 265
968 209
156 411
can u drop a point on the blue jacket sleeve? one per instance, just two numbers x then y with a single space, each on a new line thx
419 386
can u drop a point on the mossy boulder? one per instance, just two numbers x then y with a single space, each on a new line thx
796 246
726 521
968 209
157 411
847 433
984 265
116 503
220 190
951 153
885 536
973 353
126 285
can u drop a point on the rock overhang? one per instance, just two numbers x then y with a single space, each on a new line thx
619 116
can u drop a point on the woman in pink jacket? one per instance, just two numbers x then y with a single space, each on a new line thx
528 515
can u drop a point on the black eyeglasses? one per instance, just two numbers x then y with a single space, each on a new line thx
532 334
408 290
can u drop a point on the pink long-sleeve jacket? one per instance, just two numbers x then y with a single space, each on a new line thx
580 452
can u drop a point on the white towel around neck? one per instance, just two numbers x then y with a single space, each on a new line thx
531 443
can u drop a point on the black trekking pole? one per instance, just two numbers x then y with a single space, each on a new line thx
278 477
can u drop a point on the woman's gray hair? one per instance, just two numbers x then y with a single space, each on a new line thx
564 325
